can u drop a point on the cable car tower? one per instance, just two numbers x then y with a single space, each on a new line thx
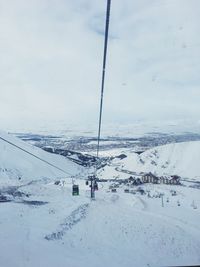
93 179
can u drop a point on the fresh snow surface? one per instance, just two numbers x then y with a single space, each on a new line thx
16 166
42 224
178 158
117 229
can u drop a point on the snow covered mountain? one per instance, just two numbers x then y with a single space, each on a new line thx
178 158
18 166
43 224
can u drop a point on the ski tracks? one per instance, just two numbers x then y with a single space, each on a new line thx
75 217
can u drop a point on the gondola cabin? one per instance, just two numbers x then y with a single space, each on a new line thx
75 190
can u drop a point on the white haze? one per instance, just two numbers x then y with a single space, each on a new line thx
51 59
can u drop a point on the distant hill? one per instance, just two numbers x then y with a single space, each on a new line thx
178 158
18 166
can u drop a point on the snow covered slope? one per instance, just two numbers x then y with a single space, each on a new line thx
116 230
42 224
16 165
178 158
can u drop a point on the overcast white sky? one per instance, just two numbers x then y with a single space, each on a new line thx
51 60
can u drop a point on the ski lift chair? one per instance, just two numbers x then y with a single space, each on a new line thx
113 190
96 186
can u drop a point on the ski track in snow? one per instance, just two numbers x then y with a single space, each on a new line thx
144 203
177 222
75 217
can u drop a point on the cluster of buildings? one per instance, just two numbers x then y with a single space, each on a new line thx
152 178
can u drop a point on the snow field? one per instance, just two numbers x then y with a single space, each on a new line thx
117 229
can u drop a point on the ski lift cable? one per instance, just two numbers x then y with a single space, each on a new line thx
103 73
45 161
94 177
